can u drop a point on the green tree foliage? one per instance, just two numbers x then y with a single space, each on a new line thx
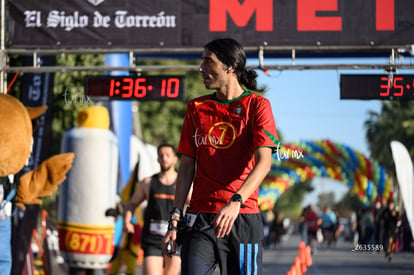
290 202
69 95
394 122
68 92
326 199
349 204
161 121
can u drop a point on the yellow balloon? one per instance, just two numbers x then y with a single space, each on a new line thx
355 189
364 182
361 161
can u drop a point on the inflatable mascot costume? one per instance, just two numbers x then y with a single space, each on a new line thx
15 148
85 234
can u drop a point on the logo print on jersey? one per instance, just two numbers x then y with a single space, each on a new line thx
238 110
222 135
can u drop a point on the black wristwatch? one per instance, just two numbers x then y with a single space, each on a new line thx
238 197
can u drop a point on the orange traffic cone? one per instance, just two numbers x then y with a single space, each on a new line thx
302 256
298 266
308 256
302 245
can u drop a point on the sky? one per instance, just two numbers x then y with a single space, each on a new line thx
307 106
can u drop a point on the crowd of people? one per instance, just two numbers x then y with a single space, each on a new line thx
316 227
381 225
384 225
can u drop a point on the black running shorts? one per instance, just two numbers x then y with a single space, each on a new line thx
238 253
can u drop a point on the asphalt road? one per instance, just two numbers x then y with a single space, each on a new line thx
341 259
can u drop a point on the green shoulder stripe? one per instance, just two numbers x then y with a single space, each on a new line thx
272 137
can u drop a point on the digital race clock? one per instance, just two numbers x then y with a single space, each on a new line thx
135 88
369 86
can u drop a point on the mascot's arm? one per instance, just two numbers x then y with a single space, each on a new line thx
43 180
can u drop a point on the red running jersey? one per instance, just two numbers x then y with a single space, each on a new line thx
222 136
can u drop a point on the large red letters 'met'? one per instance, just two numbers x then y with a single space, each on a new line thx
306 15
241 14
308 21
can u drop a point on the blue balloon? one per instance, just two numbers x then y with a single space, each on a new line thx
315 161
352 156
315 147
323 171
381 181
370 187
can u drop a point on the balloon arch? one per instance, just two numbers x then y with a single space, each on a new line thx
299 162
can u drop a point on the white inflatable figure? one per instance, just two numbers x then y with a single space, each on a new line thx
86 235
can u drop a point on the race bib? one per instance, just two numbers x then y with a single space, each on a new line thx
158 227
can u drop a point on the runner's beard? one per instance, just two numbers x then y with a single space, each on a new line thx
165 168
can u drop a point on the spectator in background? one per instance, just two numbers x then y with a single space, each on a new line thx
329 222
390 219
312 224
379 222
279 229
367 225
303 230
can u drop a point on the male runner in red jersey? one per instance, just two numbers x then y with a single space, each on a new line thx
226 145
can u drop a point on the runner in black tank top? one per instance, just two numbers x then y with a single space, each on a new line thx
159 192
156 215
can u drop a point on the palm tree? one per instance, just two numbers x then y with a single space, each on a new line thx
394 122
